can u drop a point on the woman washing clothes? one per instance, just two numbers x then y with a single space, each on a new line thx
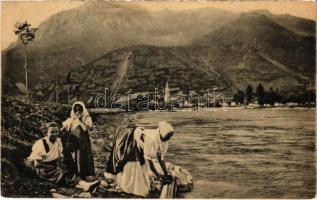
134 156
77 148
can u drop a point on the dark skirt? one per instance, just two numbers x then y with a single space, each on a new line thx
124 150
78 156
49 171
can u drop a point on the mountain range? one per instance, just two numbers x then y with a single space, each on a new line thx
129 49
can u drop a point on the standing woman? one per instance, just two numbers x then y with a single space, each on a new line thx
133 157
77 148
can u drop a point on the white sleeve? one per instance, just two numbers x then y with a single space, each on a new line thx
88 122
37 151
137 136
67 123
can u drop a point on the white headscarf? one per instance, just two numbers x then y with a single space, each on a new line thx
72 122
85 111
165 128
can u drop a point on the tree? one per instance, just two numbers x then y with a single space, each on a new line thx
278 97
248 94
239 97
270 97
260 94
26 34
68 83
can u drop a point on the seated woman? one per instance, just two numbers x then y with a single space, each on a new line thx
135 152
76 141
46 159
46 156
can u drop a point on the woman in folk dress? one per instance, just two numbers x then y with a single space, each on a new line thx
134 155
45 161
46 156
77 148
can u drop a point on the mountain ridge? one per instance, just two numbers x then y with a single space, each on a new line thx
242 50
67 39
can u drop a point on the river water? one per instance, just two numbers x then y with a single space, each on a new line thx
243 153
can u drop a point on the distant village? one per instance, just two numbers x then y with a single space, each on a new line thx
173 99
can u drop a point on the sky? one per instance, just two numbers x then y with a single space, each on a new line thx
35 12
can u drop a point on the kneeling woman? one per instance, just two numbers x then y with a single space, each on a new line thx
133 156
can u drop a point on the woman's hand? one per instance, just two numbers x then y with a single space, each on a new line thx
28 163
60 162
44 156
167 179
79 121
83 125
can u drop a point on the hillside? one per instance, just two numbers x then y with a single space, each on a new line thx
142 69
75 37
242 50
139 69
298 25
254 45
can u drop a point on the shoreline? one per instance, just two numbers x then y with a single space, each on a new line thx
225 109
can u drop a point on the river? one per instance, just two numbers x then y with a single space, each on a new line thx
243 153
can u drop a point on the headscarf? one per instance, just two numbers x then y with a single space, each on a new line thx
165 128
85 111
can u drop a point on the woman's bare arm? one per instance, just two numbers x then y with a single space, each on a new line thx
162 164
152 167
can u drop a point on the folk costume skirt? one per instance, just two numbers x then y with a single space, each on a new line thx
127 163
77 153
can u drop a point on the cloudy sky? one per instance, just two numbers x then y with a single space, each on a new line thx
37 12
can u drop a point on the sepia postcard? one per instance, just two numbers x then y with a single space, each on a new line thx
158 99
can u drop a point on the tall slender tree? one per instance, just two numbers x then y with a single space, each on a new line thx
260 94
26 34
248 94
270 97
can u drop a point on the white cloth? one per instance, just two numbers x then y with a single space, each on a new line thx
39 153
73 121
134 179
165 128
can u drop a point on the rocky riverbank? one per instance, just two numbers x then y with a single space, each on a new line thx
23 124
